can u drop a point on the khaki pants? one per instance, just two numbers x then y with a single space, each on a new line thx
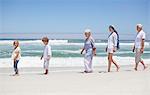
138 55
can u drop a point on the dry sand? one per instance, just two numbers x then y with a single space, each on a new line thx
70 81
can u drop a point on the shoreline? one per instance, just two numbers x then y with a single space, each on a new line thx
75 69
67 62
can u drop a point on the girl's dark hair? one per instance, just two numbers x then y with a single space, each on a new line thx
17 44
45 39
112 27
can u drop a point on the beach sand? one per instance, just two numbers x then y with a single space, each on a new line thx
71 81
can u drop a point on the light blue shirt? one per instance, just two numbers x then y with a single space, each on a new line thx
89 44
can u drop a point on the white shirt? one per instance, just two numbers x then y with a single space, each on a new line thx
14 53
47 52
112 40
138 39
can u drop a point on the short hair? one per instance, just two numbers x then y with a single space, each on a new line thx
139 25
45 39
87 30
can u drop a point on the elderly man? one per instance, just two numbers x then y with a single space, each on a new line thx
139 46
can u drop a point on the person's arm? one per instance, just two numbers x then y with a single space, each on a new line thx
94 47
48 57
17 54
133 48
49 53
94 51
115 42
41 57
106 48
82 51
142 45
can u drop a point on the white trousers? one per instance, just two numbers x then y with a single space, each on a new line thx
46 64
88 63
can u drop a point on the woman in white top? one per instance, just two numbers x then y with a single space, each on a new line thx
139 46
16 55
113 45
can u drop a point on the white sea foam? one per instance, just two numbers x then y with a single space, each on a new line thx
32 41
62 42
66 62
69 51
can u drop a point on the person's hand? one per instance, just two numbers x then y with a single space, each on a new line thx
41 57
142 50
94 52
133 49
14 61
81 52
114 49
48 58
106 49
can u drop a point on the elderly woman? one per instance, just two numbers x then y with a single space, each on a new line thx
90 50
139 46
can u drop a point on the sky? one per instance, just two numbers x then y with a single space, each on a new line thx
73 16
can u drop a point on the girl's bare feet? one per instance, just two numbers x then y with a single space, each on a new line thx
118 69
46 72
135 69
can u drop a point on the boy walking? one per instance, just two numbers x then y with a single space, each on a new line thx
47 53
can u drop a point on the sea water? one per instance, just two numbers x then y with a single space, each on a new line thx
66 52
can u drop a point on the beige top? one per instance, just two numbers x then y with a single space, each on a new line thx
14 53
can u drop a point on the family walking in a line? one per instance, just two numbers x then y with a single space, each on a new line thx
90 50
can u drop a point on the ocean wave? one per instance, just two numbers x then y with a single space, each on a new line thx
61 42
32 51
32 41
68 51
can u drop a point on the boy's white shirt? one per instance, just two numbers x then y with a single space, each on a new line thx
138 39
14 53
47 52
